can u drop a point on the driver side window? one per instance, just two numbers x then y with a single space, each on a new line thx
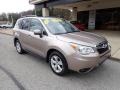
35 25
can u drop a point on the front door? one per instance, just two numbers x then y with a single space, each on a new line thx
37 45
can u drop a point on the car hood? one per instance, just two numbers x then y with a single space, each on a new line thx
83 38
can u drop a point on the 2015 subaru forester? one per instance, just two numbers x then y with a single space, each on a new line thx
63 45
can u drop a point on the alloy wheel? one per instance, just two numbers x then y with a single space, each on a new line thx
56 64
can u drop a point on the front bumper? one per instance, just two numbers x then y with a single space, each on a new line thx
77 62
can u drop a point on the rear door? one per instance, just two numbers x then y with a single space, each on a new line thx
24 33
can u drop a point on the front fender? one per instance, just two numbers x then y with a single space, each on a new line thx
62 47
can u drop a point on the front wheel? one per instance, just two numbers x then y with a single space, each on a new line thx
58 63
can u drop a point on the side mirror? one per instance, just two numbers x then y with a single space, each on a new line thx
38 32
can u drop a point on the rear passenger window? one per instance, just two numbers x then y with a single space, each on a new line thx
35 24
25 24
19 24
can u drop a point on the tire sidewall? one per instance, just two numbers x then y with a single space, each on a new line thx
21 50
65 68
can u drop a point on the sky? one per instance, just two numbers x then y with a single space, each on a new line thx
9 6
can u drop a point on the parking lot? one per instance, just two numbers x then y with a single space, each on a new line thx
30 72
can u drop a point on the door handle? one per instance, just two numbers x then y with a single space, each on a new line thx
29 35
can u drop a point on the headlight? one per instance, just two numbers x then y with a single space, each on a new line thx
85 50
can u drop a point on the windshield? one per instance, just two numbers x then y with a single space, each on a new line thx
59 26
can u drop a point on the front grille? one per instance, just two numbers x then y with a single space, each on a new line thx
102 47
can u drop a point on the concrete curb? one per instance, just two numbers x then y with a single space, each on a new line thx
115 59
6 34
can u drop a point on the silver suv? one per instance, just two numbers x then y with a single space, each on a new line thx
63 45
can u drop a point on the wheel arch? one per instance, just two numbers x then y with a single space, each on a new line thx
52 50
49 52
15 39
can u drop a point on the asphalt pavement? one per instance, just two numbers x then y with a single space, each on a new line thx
30 72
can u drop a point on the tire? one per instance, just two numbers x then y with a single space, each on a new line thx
19 47
58 63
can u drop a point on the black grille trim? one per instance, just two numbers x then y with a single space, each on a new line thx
102 47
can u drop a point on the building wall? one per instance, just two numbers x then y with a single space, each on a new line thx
108 19
98 4
92 5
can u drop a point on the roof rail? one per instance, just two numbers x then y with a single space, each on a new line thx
29 16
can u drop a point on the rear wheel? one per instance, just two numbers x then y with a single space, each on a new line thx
19 47
58 63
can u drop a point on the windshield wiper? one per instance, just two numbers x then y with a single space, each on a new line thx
60 33
73 31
